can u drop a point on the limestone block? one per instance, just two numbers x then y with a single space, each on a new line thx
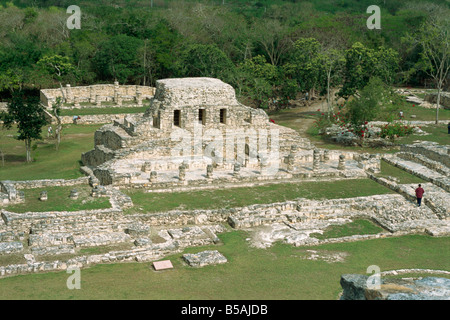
43 196
10 247
204 258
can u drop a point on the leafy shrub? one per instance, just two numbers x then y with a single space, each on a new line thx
395 130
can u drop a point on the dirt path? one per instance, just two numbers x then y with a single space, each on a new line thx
305 116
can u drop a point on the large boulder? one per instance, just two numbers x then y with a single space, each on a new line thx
431 288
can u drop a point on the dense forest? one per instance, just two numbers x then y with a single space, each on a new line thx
266 49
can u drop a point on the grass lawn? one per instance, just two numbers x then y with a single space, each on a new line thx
238 197
279 272
356 227
403 176
49 163
58 200
106 110
438 133
302 122
422 114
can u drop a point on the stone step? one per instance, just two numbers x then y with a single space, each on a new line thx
420 171
423 160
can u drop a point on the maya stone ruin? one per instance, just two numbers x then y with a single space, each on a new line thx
195 131
195 135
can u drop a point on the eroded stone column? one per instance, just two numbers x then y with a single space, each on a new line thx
290 162
153 176
138 96
236 169
146 167
209 171
316 160
69 95
326 155
119 100
116 91
73 194
98 101
182 172
91 94
341 164
76 102
43 196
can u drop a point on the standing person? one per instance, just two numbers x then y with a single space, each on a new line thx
49 132
401 115
419 195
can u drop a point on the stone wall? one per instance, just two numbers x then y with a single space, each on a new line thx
32 184
431 150
97 118
445 99
95 94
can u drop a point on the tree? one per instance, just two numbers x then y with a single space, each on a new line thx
147 62
306 65
57 66
28 114
117 59
433 40
10 80
56 111
258 80
333 60
362 63
368 104
200 60
272 37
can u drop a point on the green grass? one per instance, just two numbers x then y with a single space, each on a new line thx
244 196
278 273
106 110
403 176
422 114
357 227
49 163
438 133
297 120
58 200
324 142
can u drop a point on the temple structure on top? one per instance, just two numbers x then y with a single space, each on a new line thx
195 131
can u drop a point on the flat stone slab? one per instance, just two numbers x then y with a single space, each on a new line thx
162 265
204 258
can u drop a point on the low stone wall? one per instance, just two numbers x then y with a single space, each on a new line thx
431 150
445 99
149 253
425 174
97 118
32 184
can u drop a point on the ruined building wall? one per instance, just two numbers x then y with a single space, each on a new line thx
97 93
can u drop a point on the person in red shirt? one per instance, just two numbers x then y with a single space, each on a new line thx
419 194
